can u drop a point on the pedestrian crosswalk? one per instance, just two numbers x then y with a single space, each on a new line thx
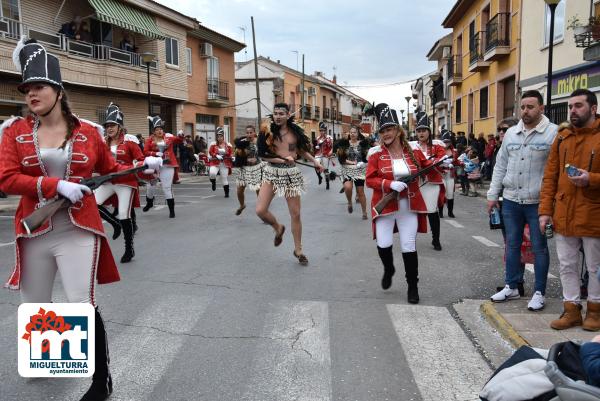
289 358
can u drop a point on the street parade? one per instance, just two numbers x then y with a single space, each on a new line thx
365 233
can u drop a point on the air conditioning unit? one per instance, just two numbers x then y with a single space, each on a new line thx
206 49
312 91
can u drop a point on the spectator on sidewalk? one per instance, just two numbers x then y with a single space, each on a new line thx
489 156
572 203
518 176
460 139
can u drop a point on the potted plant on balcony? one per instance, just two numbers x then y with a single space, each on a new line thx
577 25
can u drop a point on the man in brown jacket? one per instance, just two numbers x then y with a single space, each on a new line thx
570 199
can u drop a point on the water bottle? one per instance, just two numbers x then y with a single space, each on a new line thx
549 231
495 221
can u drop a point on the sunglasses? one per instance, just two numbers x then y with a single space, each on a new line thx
502 129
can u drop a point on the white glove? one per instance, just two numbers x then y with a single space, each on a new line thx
317 147
72 191
153 163
149 171
447 162
159 154
449 165
360 164
219 157
398 186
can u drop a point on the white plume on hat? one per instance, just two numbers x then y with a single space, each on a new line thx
17 52
150 118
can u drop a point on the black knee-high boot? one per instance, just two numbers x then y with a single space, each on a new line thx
319 176
226 189
387 258
327 180
213 183
101 387
434 222
128 234
411 268
171 204
133 220
107 216
451 208
149 204
441 211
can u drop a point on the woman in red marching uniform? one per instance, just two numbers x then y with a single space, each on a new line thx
387 164
220 161
433 189
449 174
44 157
161 145
125 150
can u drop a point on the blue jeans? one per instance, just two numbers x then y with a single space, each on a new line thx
515 216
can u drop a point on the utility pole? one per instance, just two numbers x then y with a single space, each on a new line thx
302 91
256 75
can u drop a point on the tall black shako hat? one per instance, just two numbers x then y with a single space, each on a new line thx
113 115
220 131
385 116
155 122
322 126
36 64
422 121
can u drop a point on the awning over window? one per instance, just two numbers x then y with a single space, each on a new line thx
117 13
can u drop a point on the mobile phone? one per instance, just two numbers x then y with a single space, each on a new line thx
572 171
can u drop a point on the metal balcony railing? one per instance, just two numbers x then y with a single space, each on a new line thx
455 67
307 112
317 114
217 89
476 48
497 31
326 113
12 29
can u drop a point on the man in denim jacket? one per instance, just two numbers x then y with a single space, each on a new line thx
518 176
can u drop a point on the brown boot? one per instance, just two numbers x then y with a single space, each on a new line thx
570 317
592 317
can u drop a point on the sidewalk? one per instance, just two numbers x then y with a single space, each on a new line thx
520 326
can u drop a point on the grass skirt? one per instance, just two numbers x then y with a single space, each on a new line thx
250 177
287 181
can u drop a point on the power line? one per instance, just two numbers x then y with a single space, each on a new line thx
380 85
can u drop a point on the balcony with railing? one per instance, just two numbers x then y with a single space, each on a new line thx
317 113
455 70
476 51
497 37
218 91
326 112
306 114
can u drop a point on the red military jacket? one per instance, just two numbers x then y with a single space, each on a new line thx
128 153
151 148
213 151
380 175
324 146
451 171
22 173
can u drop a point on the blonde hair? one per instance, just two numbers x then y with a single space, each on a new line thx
404 141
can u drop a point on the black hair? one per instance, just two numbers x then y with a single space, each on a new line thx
251 126
535 94
281 106
590 96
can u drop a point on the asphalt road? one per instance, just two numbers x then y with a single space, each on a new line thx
210 310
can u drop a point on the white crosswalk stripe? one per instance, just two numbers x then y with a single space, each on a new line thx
442 359
296 365
454 223
530 269
486 241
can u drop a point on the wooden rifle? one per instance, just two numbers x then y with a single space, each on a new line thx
393 194
39 216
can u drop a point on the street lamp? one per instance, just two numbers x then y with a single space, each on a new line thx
552 4
408 113
147 58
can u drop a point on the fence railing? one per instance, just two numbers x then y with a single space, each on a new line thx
476 47
217 89
497 31
455 67
12 29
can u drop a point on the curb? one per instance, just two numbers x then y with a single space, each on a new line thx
501 325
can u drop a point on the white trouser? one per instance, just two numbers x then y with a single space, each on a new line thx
124 195
449 184
166 174
324 161
407 223
567 249
431 195
68 249
221 168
